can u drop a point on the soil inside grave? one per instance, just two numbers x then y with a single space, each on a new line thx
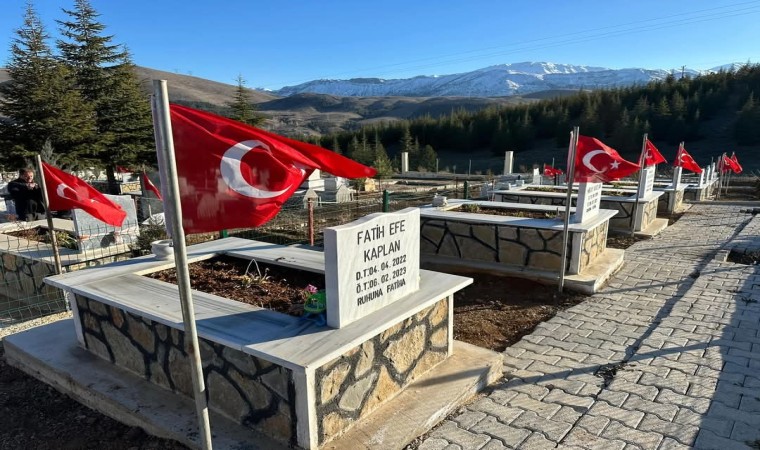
268 286
527 213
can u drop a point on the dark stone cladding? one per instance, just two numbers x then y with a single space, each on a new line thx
157 353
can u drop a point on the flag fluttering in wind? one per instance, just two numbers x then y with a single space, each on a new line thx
150 186
652 155
736 167
550 171
232 175
598 163
66 191
684 159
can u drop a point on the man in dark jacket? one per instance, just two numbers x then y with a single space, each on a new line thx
27 196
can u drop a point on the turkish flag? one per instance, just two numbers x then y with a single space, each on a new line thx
684 159
736 167
550 171
725 163
598 163
69 192
150 186
652 156
232 175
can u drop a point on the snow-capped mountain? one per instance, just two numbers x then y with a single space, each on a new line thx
500 80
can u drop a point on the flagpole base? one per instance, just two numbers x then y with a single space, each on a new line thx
162 249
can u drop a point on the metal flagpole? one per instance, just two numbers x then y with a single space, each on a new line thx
51 229
642 161
720 178
568 200
166 146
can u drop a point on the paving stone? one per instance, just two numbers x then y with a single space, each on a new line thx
593 424
613 398
720 411
526 403
746 433
583 439
644 439
434 444
553 430
667 397
709 440
505 414
643 391
510 436
450 432
469 418
568 415
684 434
533 390
604 409
636 403
672 444
563 398
537 441
569 386
494 444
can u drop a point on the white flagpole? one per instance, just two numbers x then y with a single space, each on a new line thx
642 161
568 200
166 147
49 216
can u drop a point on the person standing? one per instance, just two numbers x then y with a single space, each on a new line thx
27 196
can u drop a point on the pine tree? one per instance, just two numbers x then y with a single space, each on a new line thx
105 75
428 158
41 101
381 161
242 107
336 146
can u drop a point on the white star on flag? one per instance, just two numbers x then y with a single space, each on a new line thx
614 165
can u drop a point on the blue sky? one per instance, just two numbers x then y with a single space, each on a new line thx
274 44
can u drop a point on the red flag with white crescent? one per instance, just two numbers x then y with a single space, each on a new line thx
150 186
736 167
233 175
652 155
684 159
66 192
595 162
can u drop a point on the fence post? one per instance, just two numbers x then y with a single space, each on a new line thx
386 201
466 190
311 221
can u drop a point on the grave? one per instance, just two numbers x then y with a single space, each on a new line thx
92 233
296 380
520 246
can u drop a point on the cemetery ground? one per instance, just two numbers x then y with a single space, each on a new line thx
36 416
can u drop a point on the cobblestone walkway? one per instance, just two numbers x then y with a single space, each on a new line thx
667 356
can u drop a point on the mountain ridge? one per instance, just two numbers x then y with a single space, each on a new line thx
493 81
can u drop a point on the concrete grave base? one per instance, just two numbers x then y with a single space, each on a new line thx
593 278
51 354
653 229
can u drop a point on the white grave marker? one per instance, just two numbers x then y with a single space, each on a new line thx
404 162
537 176
370 263
589 199
647 186
508 161
702 178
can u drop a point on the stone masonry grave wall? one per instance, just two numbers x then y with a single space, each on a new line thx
356 383
249 390
521 247
594 244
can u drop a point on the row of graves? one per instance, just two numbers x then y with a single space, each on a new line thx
371 364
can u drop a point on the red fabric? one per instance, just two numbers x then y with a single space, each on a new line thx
653 156
120 169
598 163
232 175
684 159
68 192
150 186
550 171
736 167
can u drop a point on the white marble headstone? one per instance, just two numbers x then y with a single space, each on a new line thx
647 186
589 199
370 263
